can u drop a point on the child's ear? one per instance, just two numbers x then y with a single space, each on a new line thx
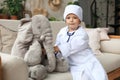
80 21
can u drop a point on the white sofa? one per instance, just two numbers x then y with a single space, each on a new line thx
15 68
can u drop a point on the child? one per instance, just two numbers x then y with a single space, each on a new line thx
72 42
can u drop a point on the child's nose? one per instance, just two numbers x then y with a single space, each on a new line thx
71 19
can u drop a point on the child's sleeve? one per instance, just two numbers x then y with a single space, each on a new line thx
65 49
57 41
76 45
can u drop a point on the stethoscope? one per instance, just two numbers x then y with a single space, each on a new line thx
70 34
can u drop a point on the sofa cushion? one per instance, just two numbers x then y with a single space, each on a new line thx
7 39
111 46
109 61
94 39
104 33
96 35
11 24
14 68
59 76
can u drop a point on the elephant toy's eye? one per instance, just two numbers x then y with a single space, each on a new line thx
38 27
42 38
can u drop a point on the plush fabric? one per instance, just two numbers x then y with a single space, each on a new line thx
32 59
61 65
7 37
94 40
23 39
104 33
43 34
35 35
35 72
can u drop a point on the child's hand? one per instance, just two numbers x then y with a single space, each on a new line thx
56 49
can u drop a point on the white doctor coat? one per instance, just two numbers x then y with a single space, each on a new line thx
83 63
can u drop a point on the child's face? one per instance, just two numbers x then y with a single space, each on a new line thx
72 21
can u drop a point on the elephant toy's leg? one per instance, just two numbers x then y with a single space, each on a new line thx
37 72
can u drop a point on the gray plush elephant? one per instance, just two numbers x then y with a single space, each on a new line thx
34 45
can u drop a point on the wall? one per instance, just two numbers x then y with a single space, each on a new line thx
101 12
1 2
33 4
85 4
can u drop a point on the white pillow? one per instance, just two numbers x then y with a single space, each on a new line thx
104 33
94 39
8 37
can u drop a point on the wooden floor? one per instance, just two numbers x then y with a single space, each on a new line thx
114 75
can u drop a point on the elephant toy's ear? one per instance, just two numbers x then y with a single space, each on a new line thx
24 20
42 31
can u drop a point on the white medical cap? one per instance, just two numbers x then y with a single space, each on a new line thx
75 9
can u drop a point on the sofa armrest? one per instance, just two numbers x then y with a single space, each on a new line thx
14 68
112 45
114 36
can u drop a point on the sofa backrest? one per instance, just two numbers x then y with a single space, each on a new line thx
10 24
9 28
